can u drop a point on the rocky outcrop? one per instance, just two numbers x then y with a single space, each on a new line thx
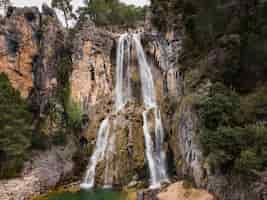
184 142
51 41
125 162
178 191
92 75
29 41
43 171
19 46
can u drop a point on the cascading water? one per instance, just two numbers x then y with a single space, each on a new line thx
98 155
105 144
108 178
122 90
156 158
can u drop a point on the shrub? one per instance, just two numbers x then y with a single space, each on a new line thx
15 129
228 142
113 12
75 115
59 138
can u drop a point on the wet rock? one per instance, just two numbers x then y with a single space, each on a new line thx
185 144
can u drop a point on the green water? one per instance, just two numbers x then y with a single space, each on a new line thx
86 195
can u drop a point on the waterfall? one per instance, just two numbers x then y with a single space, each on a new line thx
148 90
108 177
122 90
98 154
105 143
155 155
106 140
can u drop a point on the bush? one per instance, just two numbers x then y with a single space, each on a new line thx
113 12
75 115
228 142
59 138
15 129
220 109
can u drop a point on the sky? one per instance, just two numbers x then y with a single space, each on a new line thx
75 3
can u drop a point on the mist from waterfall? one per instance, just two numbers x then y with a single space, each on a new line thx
106 140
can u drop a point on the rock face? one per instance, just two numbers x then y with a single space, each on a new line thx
178 191
184 142
92 76
52 38
19 46
30 42
42 172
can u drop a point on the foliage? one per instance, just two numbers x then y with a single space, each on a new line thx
72 109
15 129
229 142
225 42
64 68
75 115
59 138
229 34
112 12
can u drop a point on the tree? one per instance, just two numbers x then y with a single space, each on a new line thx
111 12
15 129
4 4
67 9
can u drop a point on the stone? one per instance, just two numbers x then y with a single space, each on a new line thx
43 171
178 191
19 47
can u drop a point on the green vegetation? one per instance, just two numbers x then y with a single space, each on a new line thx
75 115
225 42
15 129
72 109
112 12
231 138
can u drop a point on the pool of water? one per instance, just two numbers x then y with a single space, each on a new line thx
98 194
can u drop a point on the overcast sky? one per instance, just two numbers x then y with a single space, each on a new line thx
76 3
